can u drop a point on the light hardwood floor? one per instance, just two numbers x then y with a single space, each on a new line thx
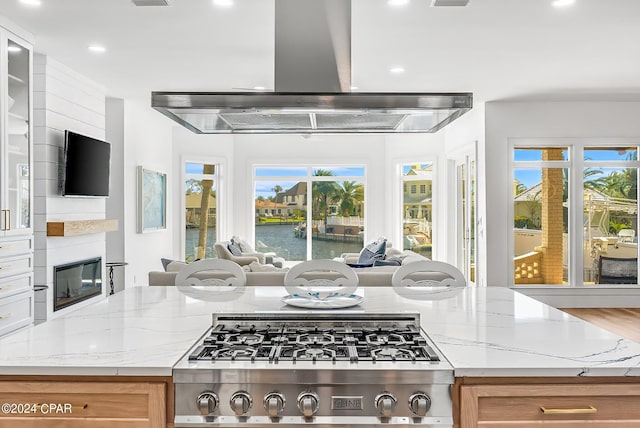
622 321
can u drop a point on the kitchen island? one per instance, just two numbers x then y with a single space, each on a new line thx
492 337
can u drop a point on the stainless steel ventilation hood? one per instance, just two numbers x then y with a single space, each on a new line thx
312 82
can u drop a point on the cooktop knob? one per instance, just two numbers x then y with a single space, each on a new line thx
240 402
207 402
419 403
385 402
308 403
274 403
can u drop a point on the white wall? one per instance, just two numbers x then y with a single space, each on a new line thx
505 120
63 99
147 142
466 136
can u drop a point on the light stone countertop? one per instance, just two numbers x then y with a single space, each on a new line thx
482 332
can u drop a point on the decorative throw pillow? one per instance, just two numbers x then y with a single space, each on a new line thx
390 261
175 266
392 252
372 252
234 249
257 267
245 247
165 263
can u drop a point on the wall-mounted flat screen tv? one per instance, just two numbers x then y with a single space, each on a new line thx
86 166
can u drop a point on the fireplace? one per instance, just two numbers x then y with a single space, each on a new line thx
77 281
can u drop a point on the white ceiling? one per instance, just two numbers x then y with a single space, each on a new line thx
497 49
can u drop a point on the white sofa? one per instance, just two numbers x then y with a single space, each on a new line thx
368 276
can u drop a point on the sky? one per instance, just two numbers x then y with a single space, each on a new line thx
297 173
531 177
528 177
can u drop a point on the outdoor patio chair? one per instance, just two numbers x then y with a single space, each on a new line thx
613 270
626 235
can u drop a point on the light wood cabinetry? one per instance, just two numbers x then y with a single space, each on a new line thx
16 183
105 402
550 404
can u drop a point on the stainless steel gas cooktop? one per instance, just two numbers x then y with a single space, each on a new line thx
314 369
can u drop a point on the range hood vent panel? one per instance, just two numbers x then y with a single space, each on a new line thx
312 80
233 112
374 121
256 121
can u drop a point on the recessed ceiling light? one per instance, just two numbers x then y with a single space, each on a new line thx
259 88
97 49
398 2
14 48
354 88
397 70
31 2
223 3
562 3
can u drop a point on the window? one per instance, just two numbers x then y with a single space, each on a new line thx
610 204
320 211
550 225
417 208
201 221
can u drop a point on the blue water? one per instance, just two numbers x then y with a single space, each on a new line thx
281 240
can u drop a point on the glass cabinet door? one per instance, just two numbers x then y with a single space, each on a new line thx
17 176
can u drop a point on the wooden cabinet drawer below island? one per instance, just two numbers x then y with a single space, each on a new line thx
566 406
31 404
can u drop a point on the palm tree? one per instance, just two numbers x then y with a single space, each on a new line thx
275 189
620 183
207 186
321 193
349 193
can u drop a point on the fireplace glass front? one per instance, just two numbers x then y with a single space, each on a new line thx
77 281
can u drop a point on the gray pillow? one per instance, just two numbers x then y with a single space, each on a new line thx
165 263
372 252
391 261
234 249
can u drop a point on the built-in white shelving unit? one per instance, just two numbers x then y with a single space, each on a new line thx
16 183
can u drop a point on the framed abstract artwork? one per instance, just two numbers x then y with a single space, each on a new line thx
152 200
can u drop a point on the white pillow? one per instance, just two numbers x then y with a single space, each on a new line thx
392 252
175 266
245 247
257 267
409 256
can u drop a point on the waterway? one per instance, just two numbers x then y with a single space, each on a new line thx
281 240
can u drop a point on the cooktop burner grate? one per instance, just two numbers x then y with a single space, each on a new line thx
299 342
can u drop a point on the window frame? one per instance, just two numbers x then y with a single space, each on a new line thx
575 165
221 195
403 182
309 178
